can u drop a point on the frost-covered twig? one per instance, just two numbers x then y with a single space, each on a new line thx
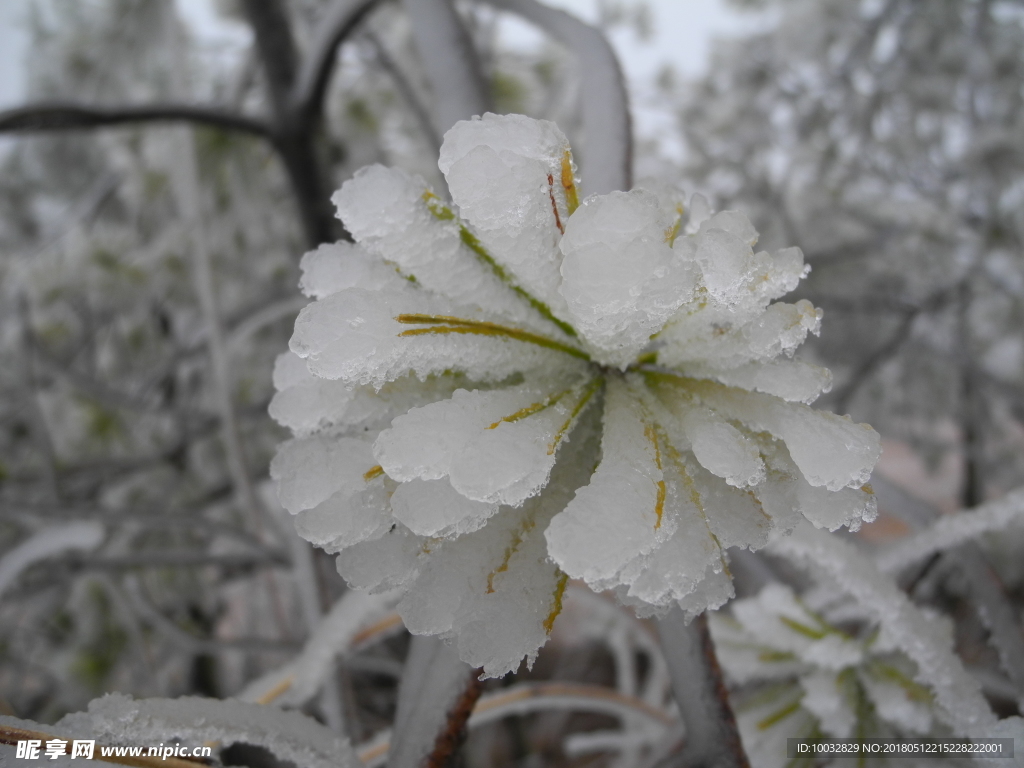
607 157
288 735
450 61
83 535
957 694
62 116
299 680
13 730
712 738
952 530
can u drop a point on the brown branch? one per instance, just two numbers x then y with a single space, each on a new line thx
63 116
453 734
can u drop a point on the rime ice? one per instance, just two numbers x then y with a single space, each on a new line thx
495 395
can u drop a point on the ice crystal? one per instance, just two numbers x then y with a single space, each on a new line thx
811 673
495 395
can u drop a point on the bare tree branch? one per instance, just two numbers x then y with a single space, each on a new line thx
62 116
315 73
450 61
607 159
405 89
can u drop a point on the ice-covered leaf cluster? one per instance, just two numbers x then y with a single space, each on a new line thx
493 396
811 673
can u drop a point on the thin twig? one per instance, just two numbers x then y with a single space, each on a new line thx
63 116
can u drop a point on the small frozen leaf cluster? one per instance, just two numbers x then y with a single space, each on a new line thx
802 673
493 396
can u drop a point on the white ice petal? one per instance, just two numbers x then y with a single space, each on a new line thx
309 470
492 589
791 380
344 518
894 704
495 446
831 451
824 697
505 174
620 278
434 508
394 215
722 449
354 336
334 267
384 563
615 517
723 340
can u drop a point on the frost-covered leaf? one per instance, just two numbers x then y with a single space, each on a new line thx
620 278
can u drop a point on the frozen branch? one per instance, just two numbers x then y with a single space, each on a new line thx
607 157
953 530
288 735
47 543
298 681
712 738
450 61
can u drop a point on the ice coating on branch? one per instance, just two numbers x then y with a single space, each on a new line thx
290 736
621 279
493 395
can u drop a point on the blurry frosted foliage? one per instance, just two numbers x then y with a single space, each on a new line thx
883 138
493 396
110 416
798 672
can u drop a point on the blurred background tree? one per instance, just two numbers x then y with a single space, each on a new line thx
159 194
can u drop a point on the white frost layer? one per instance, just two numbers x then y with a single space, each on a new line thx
613 519
334 267
494 446
331 638
952 530
388 212
957 693
310 470
353 336
118 719
504 173
831 451
620 278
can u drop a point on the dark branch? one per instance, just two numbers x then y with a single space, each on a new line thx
64 116
276 47
336 27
